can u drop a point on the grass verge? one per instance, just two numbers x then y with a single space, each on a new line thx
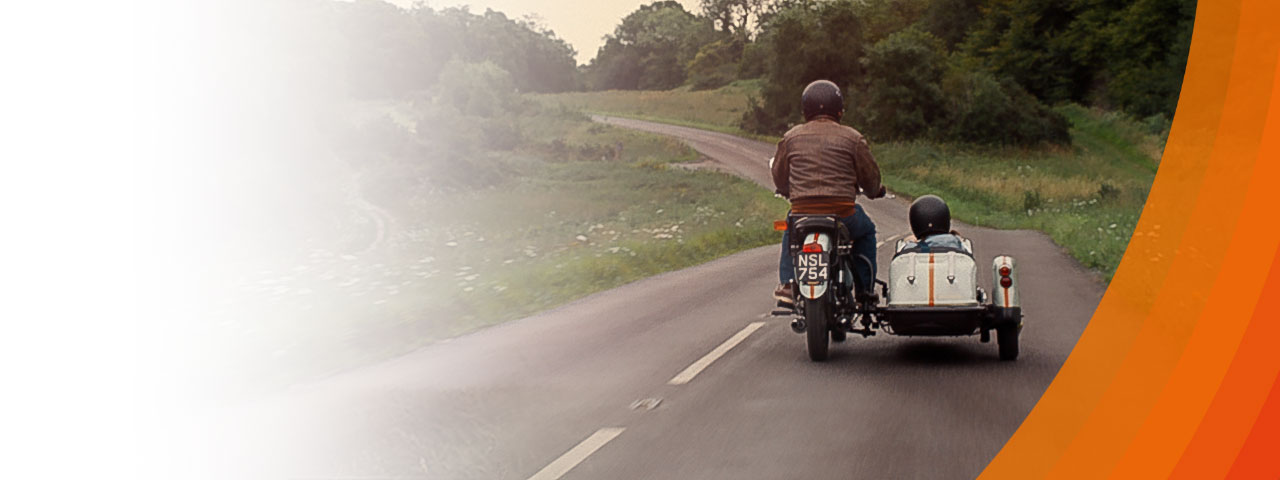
1087 197
717 110
579 208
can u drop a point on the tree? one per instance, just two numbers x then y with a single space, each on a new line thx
950 20
390 52
651 48
903 97
717 63
537 60
387 53
806 42
1146 59
733 16
1118 53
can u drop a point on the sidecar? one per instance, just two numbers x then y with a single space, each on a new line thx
933 291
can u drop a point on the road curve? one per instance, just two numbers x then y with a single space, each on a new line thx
587 391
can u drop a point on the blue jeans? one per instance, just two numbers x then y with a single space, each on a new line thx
863 233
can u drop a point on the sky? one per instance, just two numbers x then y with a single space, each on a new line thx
582 23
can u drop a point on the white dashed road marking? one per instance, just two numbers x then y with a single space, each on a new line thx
577 454
702 363
890 239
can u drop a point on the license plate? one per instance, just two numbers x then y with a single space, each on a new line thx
811 268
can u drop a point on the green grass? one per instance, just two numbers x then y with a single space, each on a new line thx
1087 197
582 208
717 110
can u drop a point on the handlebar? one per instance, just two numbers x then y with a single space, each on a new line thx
880 194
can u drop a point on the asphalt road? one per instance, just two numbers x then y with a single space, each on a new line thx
587 391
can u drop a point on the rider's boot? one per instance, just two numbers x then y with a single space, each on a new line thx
786 295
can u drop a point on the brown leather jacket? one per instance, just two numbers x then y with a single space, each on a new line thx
822 158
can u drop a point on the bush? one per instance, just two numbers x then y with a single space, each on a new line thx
755 60
480 89
982 109
716 63
903 98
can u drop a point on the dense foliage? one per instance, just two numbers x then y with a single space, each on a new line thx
651 49
1129 55
981 71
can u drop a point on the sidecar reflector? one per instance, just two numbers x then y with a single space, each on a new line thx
780 225
812 248
1006 282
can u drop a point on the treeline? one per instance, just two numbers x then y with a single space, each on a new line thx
391 51
982 71
431 98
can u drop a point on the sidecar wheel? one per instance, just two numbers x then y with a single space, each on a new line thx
1007 340
816 336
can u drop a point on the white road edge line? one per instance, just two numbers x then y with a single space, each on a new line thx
702 363
577 454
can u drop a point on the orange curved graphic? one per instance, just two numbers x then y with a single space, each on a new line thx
1176 373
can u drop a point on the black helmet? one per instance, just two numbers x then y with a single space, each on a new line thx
929 216
822 98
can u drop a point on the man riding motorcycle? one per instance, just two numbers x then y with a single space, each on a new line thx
819 167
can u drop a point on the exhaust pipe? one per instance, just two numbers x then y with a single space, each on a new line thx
797 325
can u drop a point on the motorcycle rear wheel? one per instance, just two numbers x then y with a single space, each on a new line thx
816 313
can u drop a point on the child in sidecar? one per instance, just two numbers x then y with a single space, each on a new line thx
931 226
933 288
935 267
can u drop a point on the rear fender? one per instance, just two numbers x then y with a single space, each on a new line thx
814 290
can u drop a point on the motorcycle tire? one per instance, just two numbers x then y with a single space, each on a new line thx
816 315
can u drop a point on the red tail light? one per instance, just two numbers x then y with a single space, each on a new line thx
1004 271
812 248
1006 282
